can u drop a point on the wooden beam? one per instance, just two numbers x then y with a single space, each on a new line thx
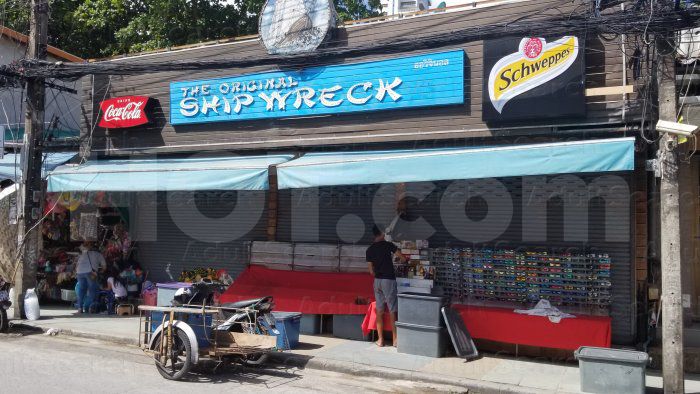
610 90
272 204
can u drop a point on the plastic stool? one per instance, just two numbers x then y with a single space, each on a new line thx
125 309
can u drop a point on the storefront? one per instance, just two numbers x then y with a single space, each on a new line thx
501 151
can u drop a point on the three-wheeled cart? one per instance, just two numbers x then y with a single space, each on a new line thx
181 337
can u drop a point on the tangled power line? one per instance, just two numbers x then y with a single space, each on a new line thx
637 20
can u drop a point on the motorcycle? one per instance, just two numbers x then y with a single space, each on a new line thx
251 317
5 304
248 316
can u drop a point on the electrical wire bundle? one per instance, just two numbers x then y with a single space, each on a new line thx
638 20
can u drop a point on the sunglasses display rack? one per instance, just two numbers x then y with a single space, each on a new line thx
577 280
448 270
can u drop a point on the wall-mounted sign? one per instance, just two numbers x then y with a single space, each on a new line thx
295 26
122 112
408 82
530 78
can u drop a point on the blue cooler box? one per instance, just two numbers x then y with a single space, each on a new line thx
201 326
289 325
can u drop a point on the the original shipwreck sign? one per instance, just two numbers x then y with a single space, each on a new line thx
408 82
531 77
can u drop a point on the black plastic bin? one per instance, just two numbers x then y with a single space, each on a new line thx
421 340
421 309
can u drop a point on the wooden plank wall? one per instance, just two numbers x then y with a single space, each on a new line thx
604 65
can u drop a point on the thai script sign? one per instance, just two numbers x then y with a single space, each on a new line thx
122 112
408 82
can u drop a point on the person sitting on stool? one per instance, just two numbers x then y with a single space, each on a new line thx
380 260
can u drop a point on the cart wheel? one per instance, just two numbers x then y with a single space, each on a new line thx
178 362
256 359
4 321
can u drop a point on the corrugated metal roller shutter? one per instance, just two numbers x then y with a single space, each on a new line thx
340 214
596 207
185 230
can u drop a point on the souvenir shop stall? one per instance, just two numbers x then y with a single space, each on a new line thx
71 219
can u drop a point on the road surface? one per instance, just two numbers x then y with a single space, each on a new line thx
40 364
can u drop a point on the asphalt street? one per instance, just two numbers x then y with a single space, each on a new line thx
38 364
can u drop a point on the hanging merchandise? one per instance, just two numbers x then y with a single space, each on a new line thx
68 201
88 226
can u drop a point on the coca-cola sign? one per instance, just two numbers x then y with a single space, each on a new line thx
122 112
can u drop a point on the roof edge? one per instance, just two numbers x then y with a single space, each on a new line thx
24 39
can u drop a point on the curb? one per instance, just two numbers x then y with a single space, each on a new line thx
357 369
350 368
87 335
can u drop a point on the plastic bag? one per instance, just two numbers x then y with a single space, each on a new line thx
31 305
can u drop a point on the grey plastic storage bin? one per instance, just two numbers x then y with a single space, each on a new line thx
310 324
349 327
606 370
421 340
421 309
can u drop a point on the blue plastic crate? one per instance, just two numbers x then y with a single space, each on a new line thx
200 325
288 324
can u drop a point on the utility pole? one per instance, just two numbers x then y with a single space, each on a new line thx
671 305
30 192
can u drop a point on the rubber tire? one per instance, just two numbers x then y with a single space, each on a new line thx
4 321
187 365
260 360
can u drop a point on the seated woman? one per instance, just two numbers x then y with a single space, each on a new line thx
115 284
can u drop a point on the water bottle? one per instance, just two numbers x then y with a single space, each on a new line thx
31 305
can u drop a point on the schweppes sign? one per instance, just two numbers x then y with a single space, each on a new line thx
530 73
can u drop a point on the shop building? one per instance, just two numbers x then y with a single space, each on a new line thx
515 145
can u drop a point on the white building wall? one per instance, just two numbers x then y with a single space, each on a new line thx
65 106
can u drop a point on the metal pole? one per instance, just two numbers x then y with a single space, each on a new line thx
30 192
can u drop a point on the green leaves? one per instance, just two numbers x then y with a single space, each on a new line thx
100 28
352 10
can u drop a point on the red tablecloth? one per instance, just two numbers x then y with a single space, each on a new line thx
504 325
325 293
370 321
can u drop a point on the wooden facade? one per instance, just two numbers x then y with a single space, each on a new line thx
605 65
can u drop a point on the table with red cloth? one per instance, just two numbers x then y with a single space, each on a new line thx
325 293
504 325
370 321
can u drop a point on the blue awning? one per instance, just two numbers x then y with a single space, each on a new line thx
212 173
10 164
373 167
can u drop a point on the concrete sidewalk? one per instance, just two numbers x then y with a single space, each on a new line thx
490 373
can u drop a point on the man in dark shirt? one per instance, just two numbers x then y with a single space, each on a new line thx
380 259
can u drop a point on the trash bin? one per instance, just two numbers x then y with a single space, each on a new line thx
604 370
288 325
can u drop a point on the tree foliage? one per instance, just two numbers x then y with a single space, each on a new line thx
100 28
